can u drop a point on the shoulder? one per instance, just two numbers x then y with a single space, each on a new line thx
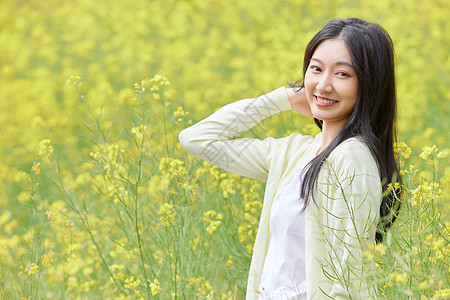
354 155
353 149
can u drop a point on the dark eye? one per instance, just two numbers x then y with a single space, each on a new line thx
315 68
343 74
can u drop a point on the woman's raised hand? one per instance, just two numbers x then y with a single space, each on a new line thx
299 102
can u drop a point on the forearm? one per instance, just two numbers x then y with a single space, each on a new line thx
214 138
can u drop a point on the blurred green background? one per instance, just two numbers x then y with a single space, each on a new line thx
212 52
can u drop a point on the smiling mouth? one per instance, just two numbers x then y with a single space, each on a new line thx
320 101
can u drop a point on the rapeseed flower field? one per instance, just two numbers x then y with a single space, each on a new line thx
100 201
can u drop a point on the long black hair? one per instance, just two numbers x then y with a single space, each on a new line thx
372 55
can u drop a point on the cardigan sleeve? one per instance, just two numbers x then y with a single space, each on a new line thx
352 195
214 139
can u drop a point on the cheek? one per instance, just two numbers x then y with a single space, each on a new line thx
307 80
349 91
352 96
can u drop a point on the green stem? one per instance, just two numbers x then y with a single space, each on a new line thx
85 222
165 127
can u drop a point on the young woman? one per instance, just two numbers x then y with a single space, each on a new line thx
324 194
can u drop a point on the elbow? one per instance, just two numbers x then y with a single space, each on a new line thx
186 140
183 138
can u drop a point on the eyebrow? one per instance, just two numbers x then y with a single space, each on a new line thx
337 63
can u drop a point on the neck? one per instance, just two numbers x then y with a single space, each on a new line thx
329 132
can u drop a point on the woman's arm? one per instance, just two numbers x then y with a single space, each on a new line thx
214 139
351 213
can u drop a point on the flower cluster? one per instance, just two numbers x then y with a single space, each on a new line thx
45 149
167 214
30 270
213 220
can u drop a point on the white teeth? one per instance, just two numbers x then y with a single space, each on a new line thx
325 100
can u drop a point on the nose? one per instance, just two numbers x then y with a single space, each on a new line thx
324 84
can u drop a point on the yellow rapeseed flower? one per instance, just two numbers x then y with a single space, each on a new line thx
212 218
441 294
50 215
48 258
138 132
401 148
166 214
423 285
155 287
24 196
30 270
427 151
74 81
380 248
399 277
194 243
394 187
172 167
230 260
131 283
36 168
45 149
5 217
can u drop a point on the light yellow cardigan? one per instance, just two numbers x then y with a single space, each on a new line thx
339 226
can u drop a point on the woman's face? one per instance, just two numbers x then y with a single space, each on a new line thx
331 84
